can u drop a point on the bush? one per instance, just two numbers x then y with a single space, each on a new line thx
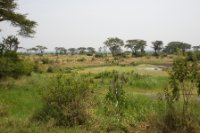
14 68
66 101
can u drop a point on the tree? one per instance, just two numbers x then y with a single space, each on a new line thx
142 44
176 46
136 45
72 51
196 48
81 50
157 46
41 49
9 44
32 49
7 13
60 50
114 45
91 50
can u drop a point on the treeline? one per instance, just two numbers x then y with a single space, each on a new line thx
116 46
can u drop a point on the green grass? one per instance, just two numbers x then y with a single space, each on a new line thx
22 97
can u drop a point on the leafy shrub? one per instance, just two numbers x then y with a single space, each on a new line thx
191 56
183 81
14 67
65 101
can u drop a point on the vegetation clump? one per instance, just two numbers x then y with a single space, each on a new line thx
65 102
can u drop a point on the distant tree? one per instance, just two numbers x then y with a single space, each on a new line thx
133 45
176 46
60 50
142 46
114 45
57 49
32 49
41 49
91 50
136 45
157 46
8 14
196 48
63 50
72 51
100 49
9 44
81 50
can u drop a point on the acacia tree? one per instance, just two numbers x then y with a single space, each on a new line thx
91 50
196 48
32 49
136 45
175 46
60 50
41 49
72 51
157 46
8 13
114 45
81 50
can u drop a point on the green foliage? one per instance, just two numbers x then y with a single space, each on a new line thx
136 45
157 46
183 80
114 44
12 66
115 99
7 13
65 102
174 47
9 45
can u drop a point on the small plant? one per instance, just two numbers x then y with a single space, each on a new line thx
115 100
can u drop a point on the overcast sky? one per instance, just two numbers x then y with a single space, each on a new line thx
75 23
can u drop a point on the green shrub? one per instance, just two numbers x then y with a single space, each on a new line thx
65 102
14 68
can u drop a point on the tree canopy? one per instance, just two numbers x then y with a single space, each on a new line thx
175 46
157 46
8 13
114 45
136 45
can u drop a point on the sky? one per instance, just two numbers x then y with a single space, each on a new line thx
76 23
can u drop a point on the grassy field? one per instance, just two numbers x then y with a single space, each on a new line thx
21 98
